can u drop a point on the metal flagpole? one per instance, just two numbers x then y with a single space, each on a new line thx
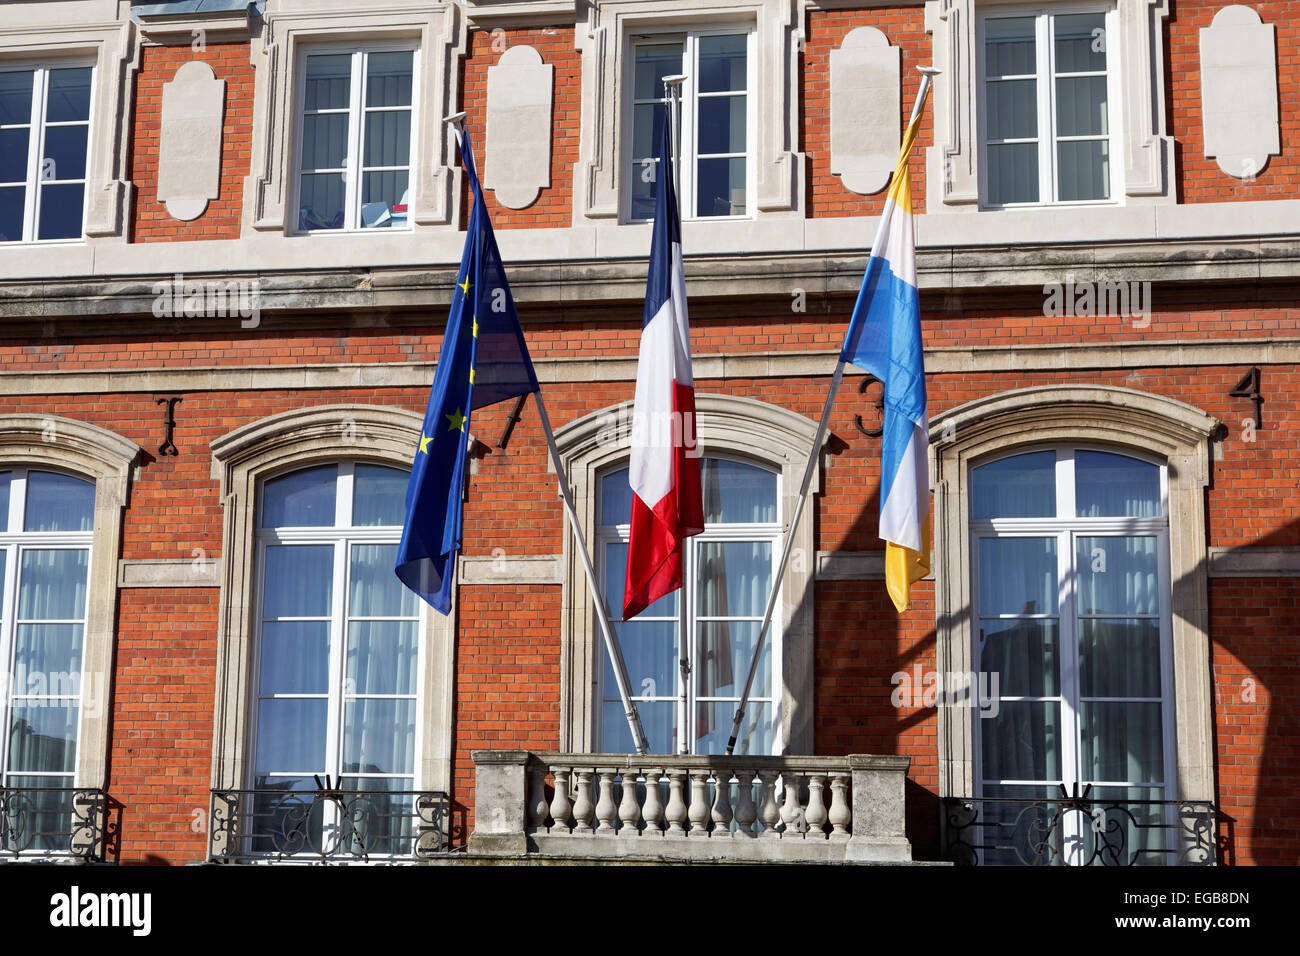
611 640
927 72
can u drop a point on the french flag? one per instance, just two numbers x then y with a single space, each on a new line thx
664 472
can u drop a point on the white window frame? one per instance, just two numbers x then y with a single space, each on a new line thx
687 162
687 617
35 182
356 131
13 542
341 536
1066 530
1045 75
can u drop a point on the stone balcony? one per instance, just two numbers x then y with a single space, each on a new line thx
536 807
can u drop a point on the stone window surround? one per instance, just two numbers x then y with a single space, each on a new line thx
604 41
767 434
952 163
439 30
113 48
107 459
241 461
1169 430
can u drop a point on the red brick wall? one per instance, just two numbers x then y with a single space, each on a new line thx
553 207
150 221
1201 179
825 31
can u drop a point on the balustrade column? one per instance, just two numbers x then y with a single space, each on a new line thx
653 811
699 814
628 810
536 797
746 813
583 809
841 814
676 809
768 813
605 806
560 805
816 812
722 803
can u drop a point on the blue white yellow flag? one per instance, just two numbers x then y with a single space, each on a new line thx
884 340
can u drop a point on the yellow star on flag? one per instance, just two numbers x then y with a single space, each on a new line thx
465 286
476 326
424 443
457 421
471 376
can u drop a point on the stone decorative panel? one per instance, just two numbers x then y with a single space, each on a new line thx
865 105
189 141
1239 91
517 160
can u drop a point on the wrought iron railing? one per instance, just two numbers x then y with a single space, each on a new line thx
51 823
1079 830
327 826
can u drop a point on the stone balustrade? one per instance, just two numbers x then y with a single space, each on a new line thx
812 809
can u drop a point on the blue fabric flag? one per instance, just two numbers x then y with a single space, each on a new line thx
484 360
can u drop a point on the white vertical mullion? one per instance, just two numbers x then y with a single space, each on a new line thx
751 127
686 637
338 637
255 697
686 162
1071 831
8 614
35 150
343 491
1046 111
1168 715
356 120
17 499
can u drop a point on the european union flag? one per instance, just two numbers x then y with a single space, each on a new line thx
484 360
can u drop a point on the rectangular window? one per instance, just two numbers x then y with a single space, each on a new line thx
717 141
355 148
1047 82
44 143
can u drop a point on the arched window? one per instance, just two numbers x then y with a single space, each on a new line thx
46 521
712 623
1071 599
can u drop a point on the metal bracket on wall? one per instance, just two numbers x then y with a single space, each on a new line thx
168 447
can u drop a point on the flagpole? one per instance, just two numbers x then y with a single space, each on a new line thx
611 640
926 73
673 89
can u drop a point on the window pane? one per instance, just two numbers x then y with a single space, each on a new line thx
47 659
615 498
16 97
1080 42
379 496
654 61
1084 170
52 584
329 79
725 651
382 657
379 736
62 209
299 581
388 79
59 503
379 193
720 190
11 213
48 817
380 823
69 95
1121 742
1114 486
1017 576
1024 655
722 125
1023 741
291 735
735 492
13 155
302 499
322 199
643 189
1081 106
1118 575
1012 109
388 138
1020 487
1119 658
5 480
647 120
65 153
325 141
1013 173
735 578
722 63
295 657
713 727
375 590
650 654
658 721
1009 46
43 737
615 578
